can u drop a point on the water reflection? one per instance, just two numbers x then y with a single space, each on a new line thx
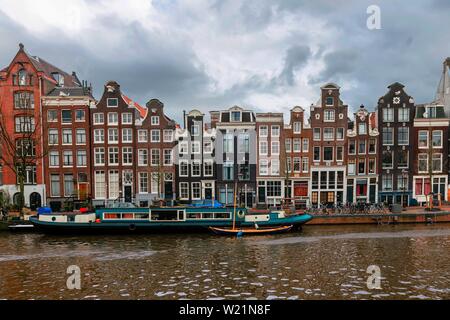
319 263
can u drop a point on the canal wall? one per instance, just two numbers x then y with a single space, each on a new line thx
424 217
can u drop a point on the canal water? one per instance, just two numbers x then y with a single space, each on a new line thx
321 262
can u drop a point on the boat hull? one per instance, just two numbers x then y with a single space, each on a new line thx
250 231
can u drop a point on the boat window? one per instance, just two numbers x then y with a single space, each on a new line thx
127 216
180 215
193 215
207 215
141 216
112 215
222 215
71 218
164 215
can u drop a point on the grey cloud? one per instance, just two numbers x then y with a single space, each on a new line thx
296 57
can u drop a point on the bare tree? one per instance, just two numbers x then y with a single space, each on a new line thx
20 134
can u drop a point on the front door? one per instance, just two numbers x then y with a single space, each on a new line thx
35 200
128 195
168 191
208 193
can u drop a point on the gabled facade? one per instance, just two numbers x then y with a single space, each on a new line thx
395 123
297 141
362 160
328 169
235 155
195 160
67 137
271 158
22 85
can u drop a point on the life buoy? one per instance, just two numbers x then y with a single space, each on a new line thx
241 214
132 227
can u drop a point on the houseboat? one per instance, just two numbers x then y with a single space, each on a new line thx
171 219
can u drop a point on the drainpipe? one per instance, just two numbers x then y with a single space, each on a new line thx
44 200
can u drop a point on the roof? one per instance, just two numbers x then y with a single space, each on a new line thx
142 110
443 90
70 91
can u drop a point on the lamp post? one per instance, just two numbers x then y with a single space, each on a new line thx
404 179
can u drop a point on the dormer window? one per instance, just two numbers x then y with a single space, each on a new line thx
112 102
22 77
329 101
59 79
235 116
430 112
155 121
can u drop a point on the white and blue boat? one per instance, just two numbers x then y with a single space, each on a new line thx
164 219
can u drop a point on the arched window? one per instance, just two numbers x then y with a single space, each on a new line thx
16 198
22 77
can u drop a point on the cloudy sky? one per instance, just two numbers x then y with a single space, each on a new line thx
265 55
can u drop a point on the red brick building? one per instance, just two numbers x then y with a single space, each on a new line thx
22 85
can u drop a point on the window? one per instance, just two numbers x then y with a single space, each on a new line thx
66 116
235 116
275 148
99 118
316 133
67 136
305 145
52 116
112 102
81 136
168 157
155 120
194 130
80 115
143 182
297 145
228 172
402 182
388 115
372 166
113 118
155 135
67 158
437 138
155 157
288 145
55 185
53 136
23 100
275 131
24 124
168 135
297 127
183 147
54 159
328 116
184 168
386 182
362 147
372 145
316 153
196 190
340 134
208 168
100 184
388 136
196 168
195 147
328 134
113 135
403 136
25 147
388 159
296 162
113 184
207 147
339 153
99 136
113 155
184 190
329 101
403 114
305 164
423 139
328 153
142 135
127 135
68 185
99 156
127 155
362 128
288 165
437 162
263 148
244 171
142 157
22 77
275 167
228 145
29 176
244 143
423 162
274 188
263 167
402 161
351 147
362 166
263 131
351 167
127 118
81 158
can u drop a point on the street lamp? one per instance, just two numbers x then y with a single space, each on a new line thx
404 179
